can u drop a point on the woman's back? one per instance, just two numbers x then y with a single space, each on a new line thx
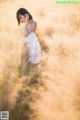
34 47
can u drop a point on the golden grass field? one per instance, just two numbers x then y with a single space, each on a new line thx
54 93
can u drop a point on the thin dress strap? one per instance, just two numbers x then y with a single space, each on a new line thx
28 26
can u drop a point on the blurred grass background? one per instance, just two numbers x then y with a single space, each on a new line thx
53 94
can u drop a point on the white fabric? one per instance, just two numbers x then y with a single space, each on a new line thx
34 47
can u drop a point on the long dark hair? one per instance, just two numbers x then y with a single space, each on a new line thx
22 11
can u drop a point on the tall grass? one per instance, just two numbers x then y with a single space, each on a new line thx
53 92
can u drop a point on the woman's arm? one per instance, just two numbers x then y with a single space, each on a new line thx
32 28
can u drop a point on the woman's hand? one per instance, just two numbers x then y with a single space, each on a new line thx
32 28
26 18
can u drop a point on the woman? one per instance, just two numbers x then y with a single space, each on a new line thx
34 48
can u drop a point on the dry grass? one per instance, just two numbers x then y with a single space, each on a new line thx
53 92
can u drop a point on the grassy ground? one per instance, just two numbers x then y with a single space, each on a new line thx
52 93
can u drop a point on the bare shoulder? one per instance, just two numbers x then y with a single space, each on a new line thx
35 23
33 26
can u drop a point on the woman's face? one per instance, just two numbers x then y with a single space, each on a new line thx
23 17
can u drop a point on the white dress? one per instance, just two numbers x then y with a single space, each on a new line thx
34 55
